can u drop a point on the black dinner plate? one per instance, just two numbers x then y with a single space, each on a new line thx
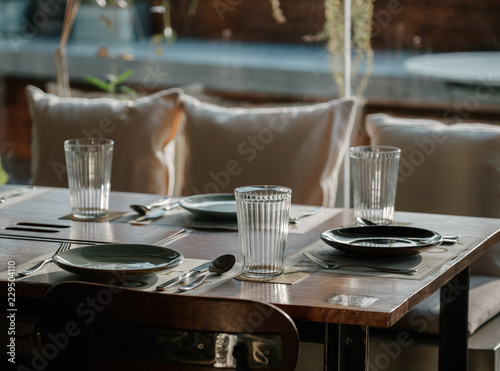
382 241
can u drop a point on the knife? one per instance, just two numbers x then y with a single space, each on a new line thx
192 273
16 193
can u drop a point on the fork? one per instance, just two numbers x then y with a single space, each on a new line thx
326 265
65 245
303 215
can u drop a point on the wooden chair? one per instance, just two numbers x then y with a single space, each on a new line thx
89 326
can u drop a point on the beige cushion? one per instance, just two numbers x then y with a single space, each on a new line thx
484 304
445 169
301 147
140 128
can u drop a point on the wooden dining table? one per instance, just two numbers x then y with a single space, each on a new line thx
333 307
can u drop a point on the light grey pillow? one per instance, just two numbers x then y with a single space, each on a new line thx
301 147
140 128
445 169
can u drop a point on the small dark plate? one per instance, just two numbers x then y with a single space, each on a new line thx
382 241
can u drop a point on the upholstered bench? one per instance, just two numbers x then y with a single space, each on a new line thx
173 143
446 169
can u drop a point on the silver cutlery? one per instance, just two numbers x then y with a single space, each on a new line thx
156 214
144 209
303 215
326 265
364 221
16 193
173 237
63 247
218 266
193 272
51 239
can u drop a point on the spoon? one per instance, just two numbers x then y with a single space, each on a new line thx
219 265
144 209
154 214
364 221
446 239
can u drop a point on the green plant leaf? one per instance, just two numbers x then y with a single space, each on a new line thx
124 76
101 84
4 177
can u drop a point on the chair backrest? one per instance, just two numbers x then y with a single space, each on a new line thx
89 326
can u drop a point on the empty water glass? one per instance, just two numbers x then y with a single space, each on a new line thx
374 171
88 163
263 213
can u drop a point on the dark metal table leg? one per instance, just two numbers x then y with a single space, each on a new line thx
353 348
331 347
453 322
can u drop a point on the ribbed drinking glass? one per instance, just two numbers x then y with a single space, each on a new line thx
374 171
88 164
263 228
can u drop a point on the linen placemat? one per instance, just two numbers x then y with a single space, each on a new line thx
425 263
51 273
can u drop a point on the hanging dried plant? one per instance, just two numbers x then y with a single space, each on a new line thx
277 12
361 18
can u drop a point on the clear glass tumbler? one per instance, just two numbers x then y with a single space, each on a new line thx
88 163
263 213
374 171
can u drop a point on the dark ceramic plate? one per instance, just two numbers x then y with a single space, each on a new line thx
125 260
214 205
382 241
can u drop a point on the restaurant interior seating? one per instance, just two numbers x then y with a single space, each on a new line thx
173 143
302 147
98 327
447 169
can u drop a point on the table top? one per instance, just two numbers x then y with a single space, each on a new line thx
308 299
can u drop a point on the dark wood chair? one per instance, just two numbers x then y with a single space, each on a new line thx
89 326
